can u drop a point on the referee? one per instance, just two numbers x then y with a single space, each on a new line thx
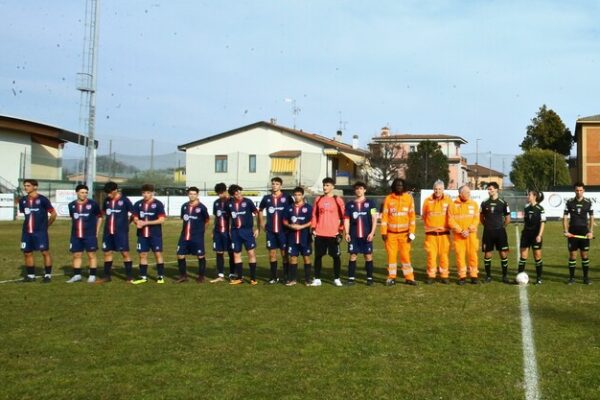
494 216
578 224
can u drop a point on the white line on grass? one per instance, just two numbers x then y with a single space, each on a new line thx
530 373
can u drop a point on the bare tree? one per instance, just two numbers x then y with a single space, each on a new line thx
385 161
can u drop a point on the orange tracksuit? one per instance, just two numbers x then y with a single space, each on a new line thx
397 221
465 216
435 214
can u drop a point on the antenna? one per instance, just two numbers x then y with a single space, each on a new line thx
295 109
342 123
87 86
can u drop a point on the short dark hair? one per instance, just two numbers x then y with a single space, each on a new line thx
277 179
33 182
298 189
328 180
578 184
81 186
110 187
494 185
359 184
147 187
220 188
192 189
234 188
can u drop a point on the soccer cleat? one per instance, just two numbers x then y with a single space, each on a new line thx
273 281
587 281
182 279
200 279
316 282
91 279
46 279
106 279
350 282
488 279
390 282
369 282
571 281
445 281
160 279
236 282
253 282
410 282
461 282
538 281
28 279
474 281
75 278
218 279
140 280
291 283
129 280
338 282
429 281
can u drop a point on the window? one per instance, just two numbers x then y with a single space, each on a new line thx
413 149
220 163
252 163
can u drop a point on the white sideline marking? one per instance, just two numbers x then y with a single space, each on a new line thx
530 373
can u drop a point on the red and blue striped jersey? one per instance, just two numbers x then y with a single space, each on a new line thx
194 216
149 211
360 214
84 218
36 210
275 207
298 214
242 213
221 213
117 214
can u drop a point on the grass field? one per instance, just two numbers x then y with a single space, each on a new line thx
119 341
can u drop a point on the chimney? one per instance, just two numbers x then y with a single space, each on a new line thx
385 131
274 121
355 142
338 136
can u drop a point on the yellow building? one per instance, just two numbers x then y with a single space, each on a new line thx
480 176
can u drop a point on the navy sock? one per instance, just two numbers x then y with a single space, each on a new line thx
107 267
92 271
286 270
76 271
160 269
144 270
232 264
273 265
220 263
30 270
128 268
293 271
48 270
182 265
239 267
252 270
351 269
201 266
369 268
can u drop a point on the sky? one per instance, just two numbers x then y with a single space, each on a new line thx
178 71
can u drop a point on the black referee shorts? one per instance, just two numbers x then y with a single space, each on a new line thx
494 239
528 240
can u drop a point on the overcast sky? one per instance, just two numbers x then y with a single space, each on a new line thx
177 71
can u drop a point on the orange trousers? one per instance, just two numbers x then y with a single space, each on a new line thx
398 242
466 250
437 247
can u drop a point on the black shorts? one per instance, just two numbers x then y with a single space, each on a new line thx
325 245
574 244
494 239
528 240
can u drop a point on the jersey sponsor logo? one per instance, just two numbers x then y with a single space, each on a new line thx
76 216
234 214
142 214
355 215
271 210
294 219
219 213
108 211
27 211
186 217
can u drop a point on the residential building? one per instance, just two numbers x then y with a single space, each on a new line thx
587 136
480 176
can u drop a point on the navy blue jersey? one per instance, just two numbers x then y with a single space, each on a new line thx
298 214
241 213
275 206
36 210
149 211
117 215
360 214
221 213
194 216
84 217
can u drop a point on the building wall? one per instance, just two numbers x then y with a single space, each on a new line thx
591 154
45 162
14 148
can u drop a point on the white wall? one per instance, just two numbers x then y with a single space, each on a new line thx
12 147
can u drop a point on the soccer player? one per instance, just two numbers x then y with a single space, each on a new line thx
241 213
148 216
464 219
533 229
578 225
34 236
327 224
275 204
86 220
117 209
360 223
221 235
398 231
297 219
494 215
191 240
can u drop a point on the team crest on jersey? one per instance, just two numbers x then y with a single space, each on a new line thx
197 209
153 205
88 206
283 199
366 205
120 202
37 201
304 209
244 204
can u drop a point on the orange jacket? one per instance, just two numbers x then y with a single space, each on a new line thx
436 212
464 215
398 214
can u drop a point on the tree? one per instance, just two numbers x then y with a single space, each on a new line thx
547 131
539 169
385 160
426 165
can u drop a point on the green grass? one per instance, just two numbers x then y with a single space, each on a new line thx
216 341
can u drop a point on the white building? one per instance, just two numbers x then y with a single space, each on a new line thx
251 155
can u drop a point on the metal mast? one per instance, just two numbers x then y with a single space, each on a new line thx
87 86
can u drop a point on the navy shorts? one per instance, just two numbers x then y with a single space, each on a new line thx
296 249
37 241
221 242
360 246
241 237
78 245
194 247
276 240
116 242
151 243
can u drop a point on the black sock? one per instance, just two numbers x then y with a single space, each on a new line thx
337 267
487 264
273 265
521 267
182 265
128 268
318 263
307 268
144 270
220 263
252 271
201 266
286 270
369 267
92 271
30 270
351 269
107 268
504 264
585 267
232 264
160 269
539 266
76 271
239 269
48 270
572 269
293 270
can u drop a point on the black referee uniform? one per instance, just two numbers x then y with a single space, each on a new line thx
578 212
492 215
534 217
